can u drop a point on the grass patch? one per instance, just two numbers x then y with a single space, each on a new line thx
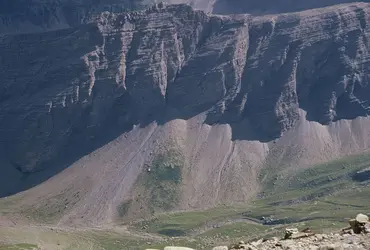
162 184
319 181
22 246
238 229
158 188
182 223
114 241
322 197
9 205
59 239
123 208
51 209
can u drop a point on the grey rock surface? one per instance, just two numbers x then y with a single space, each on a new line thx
271 6
25 16
68 91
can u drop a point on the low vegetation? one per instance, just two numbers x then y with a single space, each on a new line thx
160 185
163 181
323 198
182 224
23 246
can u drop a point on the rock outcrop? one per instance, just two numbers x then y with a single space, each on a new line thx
316 242
270 6
294 239
22 16
28 16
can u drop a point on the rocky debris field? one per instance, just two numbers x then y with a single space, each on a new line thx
313 242
356 236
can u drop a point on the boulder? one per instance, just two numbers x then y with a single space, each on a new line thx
289 232
362 218
220 248
300 235
257 243
331 247
358 225
240 245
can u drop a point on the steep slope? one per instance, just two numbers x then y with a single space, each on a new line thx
204 96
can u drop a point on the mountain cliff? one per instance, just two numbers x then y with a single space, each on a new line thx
27 16
271 6
214 97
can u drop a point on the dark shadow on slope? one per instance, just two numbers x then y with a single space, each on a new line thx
82 141
172 232
361 176
73 131
85 139
243 130
10 178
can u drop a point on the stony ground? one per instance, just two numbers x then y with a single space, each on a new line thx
356 236
333 241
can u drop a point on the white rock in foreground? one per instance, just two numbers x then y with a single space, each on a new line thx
220 248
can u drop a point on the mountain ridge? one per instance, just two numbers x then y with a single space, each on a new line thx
20 16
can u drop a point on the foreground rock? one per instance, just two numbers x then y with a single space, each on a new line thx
358 225
178 248
220 248
172 248
313 242
354 237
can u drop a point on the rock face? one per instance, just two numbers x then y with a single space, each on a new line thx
125 69
22 16
270 6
